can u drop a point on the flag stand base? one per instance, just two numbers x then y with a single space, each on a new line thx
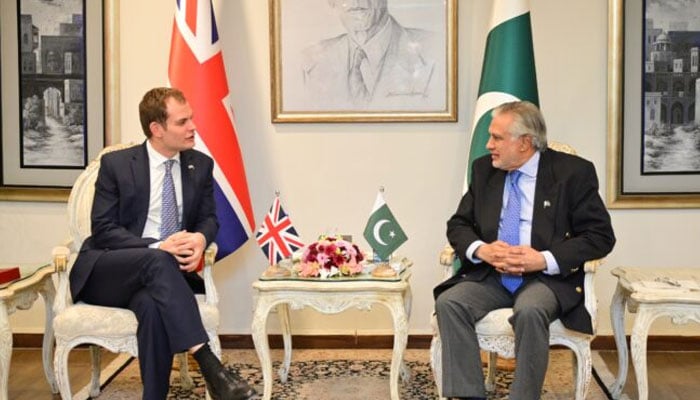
384 270
275 271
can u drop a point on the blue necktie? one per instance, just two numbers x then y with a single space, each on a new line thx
169 223
510 228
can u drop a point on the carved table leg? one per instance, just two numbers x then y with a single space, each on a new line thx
408 299
646 314
617 317
262 346
5 350
283 314
48 293
398 312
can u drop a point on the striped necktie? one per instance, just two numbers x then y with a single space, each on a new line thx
169 217
510 229
356 83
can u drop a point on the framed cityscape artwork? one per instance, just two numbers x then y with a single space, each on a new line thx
55 93
387 62
653 107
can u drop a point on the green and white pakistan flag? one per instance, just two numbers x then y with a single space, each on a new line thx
508 72
383 232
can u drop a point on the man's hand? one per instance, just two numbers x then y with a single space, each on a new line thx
514 260
493 253
187 247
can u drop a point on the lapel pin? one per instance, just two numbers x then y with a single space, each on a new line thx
547 203
190 166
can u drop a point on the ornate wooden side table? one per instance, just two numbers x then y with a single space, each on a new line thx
650 293
20 294
329 296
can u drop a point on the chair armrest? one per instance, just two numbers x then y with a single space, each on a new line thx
447 261
447 256
590 299
60 257
592 265
211 295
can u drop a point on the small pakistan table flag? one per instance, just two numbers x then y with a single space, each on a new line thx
383 232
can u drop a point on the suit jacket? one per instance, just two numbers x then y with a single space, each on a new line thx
569 219
407 79
120 206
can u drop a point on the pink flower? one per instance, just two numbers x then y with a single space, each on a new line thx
308 270
321 258
329 256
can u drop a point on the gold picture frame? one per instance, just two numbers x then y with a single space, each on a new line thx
108 15
627 187
310 54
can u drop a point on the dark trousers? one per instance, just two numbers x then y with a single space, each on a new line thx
460 307
149 283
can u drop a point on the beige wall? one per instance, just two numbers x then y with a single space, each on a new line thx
420 164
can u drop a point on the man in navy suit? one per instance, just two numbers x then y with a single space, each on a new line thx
127 262
560 223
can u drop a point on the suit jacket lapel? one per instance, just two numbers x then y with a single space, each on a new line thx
545 204
494 197
187 170
141 173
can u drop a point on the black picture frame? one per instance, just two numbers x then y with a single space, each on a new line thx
22 179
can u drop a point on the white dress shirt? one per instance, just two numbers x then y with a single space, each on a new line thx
526 183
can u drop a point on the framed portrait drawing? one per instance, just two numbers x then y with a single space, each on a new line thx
653 107
392 61
57 79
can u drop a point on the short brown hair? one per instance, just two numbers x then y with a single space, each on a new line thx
152 107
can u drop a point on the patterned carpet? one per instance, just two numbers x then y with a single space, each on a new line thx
337 375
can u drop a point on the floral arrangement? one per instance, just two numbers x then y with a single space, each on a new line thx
330 256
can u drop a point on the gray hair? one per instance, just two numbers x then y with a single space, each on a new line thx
527 120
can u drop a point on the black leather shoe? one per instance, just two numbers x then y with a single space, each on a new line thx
224 385
221 383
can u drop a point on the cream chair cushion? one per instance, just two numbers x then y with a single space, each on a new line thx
109 321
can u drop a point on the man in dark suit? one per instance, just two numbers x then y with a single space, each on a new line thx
144 250
530 219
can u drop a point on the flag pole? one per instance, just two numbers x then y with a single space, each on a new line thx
375 258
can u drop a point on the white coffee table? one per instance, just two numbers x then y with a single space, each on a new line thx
35 280
650 293
329 297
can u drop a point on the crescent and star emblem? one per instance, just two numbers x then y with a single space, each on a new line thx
376 229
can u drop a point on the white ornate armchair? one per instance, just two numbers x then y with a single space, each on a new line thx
111 328
496 335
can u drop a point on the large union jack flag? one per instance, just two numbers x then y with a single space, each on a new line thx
277 237
197 68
